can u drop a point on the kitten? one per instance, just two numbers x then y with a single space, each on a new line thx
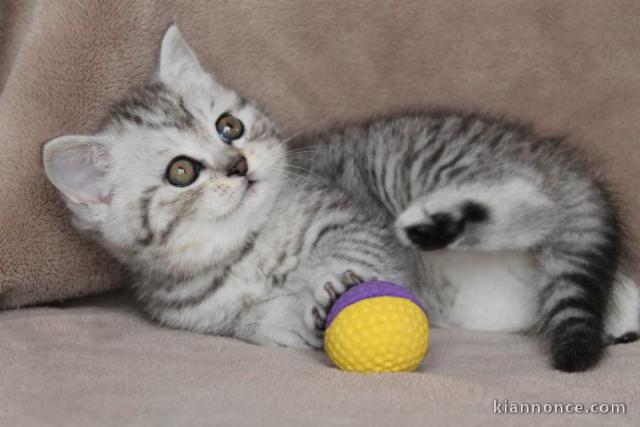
226 232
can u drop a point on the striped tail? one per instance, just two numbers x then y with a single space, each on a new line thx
580 265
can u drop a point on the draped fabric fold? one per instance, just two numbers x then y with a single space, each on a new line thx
569 67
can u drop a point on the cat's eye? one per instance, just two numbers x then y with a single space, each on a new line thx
183 171
229 127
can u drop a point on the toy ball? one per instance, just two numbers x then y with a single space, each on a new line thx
377 326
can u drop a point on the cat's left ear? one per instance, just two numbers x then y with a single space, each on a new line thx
77 165
178 63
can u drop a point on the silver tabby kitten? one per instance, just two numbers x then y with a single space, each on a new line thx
227 233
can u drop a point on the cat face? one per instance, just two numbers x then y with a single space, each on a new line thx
181 174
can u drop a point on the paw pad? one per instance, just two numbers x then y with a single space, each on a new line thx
437 234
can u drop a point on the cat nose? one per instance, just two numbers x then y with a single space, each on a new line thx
239 167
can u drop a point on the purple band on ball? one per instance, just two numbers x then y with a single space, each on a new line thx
372 289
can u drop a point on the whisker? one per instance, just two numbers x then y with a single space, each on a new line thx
298 171
295 153
289 173
307 170
304 150
295 135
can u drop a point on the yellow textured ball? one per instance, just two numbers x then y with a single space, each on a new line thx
380 334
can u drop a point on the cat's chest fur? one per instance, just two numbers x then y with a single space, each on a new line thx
313 235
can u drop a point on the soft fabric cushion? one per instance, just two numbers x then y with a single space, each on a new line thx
100 364
570 67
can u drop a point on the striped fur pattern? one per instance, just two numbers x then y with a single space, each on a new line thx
477 186
495 228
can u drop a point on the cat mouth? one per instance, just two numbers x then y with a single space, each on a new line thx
252 183
250 189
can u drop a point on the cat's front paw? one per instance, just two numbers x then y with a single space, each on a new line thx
326 295
419 226
289 337
279 320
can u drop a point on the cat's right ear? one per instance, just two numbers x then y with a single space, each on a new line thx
78 166
178 63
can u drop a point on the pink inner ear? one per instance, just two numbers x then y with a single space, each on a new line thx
88 181
77 166
177 59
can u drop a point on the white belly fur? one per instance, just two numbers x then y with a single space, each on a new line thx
496 291
488 291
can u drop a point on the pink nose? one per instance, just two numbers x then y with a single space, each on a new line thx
239 168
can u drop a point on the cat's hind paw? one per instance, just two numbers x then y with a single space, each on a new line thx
420 227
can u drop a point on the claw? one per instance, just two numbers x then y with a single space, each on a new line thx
351 279
333 295
318 319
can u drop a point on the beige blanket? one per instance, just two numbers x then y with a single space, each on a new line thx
99 364
569 67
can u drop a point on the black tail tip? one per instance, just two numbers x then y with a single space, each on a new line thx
577 353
